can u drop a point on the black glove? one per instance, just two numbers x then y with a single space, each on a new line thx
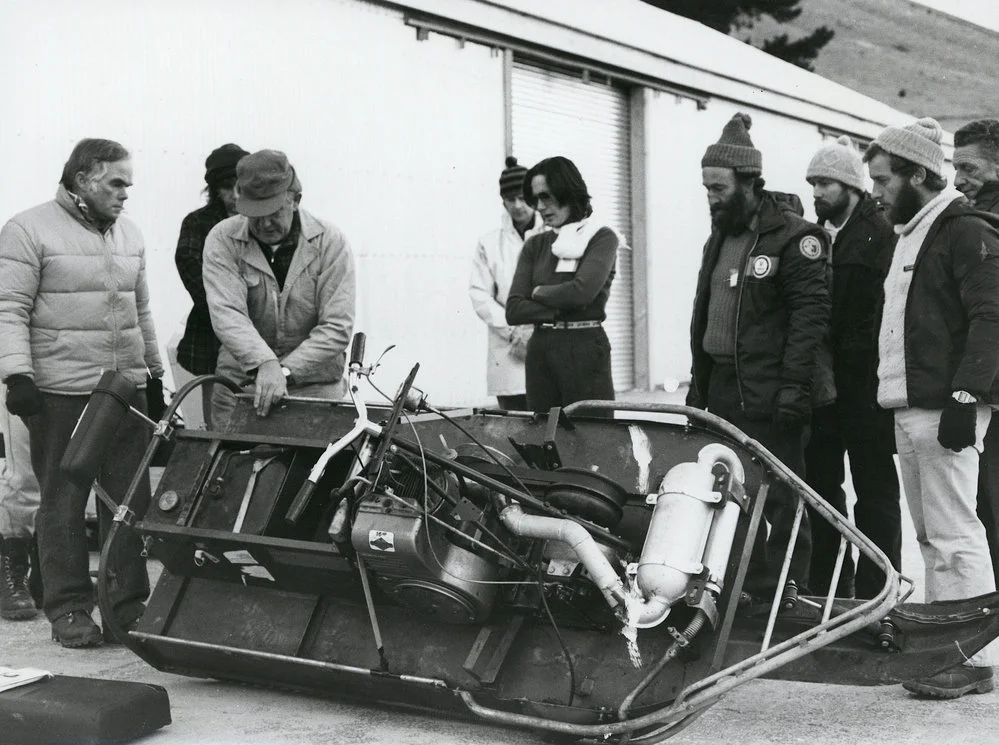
792 407
693 399
957 425
155 406
23 397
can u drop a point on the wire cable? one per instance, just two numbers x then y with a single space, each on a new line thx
558 635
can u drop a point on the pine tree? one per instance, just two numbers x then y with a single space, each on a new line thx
730 16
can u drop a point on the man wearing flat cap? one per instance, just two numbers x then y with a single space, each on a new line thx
760 318
280 288
938 352
198 350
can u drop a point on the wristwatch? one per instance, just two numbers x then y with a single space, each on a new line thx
287 376
963 397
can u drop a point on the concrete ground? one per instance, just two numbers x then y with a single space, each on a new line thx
208 712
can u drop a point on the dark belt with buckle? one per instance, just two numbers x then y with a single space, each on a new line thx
568 325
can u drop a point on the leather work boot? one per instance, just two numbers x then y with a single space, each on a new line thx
76 629
16 603
953 682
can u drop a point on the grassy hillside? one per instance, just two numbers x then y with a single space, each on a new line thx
910 57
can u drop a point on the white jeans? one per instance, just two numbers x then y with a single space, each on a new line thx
941 487
19 493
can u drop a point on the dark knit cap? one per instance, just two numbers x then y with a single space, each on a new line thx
734 149
221 164
511 181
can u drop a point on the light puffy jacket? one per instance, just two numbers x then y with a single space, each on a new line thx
492 272
73 300
306 325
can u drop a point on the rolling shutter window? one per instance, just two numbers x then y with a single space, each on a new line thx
555 113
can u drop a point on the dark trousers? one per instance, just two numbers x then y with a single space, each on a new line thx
517 402
788 447
59 524
567 365
988 490
868 436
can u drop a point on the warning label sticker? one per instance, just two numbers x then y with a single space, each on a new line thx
381 540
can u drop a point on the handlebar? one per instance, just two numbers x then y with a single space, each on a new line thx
357 350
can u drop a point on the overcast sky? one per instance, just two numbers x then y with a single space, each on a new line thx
983 12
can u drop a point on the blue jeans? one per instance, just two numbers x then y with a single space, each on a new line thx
59 524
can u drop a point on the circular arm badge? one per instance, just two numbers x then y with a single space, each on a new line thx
810 247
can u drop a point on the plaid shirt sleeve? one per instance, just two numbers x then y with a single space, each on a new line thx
190 247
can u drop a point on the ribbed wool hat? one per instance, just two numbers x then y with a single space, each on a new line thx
734 149
918 142
511 181
839 161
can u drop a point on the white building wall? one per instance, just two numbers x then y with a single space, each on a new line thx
397 141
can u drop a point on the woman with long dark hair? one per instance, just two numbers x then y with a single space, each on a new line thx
198 350
561 285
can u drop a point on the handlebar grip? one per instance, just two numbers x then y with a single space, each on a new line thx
357 349
300 502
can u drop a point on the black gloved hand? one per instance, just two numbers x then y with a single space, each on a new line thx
155 405
23 397
957 425
694 399
792 407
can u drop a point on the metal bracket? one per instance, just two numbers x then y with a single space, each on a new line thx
124 515
476 664
556 417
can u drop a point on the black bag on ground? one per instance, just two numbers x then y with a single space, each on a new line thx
82 711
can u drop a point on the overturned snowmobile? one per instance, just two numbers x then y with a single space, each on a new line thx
572 573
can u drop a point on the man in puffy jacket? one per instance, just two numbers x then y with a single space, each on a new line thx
938 347
854 424
761 314
493 267
280 290
74 302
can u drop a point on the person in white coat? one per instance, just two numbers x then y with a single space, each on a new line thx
492 272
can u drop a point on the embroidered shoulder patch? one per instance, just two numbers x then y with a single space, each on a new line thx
810 247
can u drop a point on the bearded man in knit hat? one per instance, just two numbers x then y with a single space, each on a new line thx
938 345
976 175
761 314
280 285
198 350
493 266
855 424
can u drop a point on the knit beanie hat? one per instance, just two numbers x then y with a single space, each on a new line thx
918 143
511 181
221 164
734 149
839 161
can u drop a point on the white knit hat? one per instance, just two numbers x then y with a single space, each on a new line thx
839 161
918 143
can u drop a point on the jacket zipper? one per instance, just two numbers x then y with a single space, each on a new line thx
109 258
738 315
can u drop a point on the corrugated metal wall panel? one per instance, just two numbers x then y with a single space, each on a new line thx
555 113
